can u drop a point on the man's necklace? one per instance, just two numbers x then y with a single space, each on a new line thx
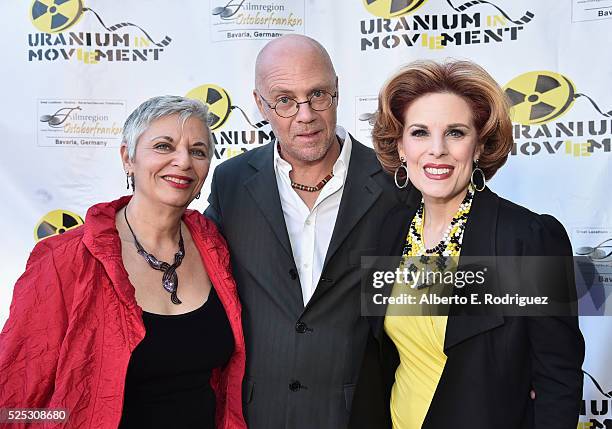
315 188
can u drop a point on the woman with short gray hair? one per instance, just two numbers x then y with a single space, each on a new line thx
99 326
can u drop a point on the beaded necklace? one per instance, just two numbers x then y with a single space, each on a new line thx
315 188
449 245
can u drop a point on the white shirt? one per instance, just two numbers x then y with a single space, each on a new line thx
310 231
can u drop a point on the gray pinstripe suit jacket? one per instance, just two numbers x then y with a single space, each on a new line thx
302 362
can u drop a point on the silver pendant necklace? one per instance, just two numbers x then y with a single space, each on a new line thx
170 278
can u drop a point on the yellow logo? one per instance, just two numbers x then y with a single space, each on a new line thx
538 97
219 105
218 101
54 16
392 8
56 222
395 8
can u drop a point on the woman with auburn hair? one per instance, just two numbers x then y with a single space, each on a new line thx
444 129
133 320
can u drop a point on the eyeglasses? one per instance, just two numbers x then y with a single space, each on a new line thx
286 107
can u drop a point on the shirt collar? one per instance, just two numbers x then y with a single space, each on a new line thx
340 167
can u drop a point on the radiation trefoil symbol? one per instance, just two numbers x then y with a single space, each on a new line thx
55 16
219 105
538 97
56 222
392 8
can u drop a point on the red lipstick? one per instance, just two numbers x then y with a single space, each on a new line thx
438 171
176 181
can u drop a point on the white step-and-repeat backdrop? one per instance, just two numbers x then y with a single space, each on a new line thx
72 69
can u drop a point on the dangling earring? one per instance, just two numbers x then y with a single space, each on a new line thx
197 197
480 183
395 176
129 180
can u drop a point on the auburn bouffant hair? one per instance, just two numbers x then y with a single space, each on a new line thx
489 105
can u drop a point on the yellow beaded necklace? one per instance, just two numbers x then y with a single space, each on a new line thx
449 245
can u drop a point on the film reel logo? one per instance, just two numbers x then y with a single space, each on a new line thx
595 408
55 16
538 97
395 8
219 105
598 385
56 222
392 8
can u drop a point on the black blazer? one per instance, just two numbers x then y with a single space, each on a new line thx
493 361
302 361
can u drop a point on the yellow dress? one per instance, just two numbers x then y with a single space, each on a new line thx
419 341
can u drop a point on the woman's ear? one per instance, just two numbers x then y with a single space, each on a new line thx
125 158
478 151
400 148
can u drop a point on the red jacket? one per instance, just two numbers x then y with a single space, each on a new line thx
74 323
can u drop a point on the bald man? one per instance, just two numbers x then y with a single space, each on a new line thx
298 214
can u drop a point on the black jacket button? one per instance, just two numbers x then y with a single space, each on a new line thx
294 386
293 273
301 327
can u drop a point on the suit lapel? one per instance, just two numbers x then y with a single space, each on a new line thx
392 239
264 190
359 194
478 240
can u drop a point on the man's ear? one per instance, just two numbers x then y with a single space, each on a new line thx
260 106
337 91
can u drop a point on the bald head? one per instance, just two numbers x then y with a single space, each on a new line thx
287 48
289 72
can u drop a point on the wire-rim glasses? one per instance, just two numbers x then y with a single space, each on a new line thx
286 107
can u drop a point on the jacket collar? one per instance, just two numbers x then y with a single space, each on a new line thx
360 192
480 229
479 239
102 239
394 229
264 190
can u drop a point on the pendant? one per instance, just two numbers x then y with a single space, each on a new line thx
169 284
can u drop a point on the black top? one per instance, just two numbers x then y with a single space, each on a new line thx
168 378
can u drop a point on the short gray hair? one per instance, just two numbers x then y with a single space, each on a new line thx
159 107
